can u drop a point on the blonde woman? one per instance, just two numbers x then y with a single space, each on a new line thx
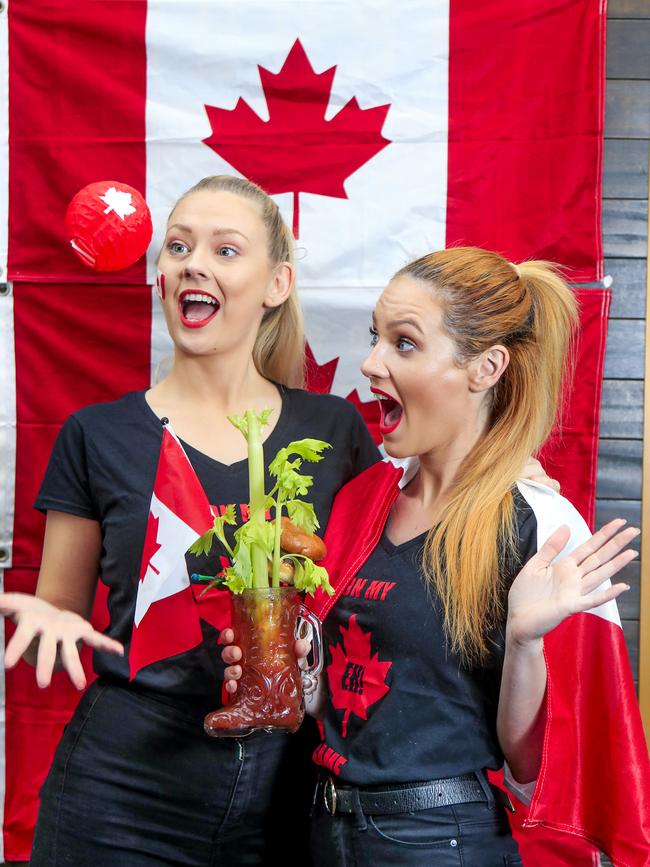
135 780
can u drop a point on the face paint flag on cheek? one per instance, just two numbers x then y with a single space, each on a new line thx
160 285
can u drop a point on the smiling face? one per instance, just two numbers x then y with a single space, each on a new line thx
427 400
217 274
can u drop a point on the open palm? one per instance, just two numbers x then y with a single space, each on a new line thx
545 593
59 635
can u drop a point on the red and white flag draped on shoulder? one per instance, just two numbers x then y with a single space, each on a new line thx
593 780
166 620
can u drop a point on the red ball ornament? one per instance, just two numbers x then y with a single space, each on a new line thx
108 225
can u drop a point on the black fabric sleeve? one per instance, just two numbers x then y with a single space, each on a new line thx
66 484
364 451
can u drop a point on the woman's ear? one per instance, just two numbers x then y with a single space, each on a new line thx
486 370
280 286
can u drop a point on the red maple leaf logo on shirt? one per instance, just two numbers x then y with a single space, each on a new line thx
297 150
357 679
151 543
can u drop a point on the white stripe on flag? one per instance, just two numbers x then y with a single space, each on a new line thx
552 511
167 571
4 141
388 53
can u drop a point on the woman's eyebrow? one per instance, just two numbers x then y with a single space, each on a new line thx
229 232
395 322
188 229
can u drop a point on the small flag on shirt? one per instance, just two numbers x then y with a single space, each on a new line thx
166 620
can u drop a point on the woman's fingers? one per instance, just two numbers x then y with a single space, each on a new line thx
596 577
20 641
72 663
46 659
608 549
600 597
302 648
99 641
551 548
597 541
233 672
226 636
230 654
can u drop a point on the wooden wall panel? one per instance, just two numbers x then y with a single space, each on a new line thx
626 172
628 286
625 347
621 413
627 109
619 464
628 9
625 227
628 49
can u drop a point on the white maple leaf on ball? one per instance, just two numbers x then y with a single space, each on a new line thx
118 201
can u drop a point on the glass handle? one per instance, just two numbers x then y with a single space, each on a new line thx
309 628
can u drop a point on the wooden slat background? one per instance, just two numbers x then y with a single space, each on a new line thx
625 230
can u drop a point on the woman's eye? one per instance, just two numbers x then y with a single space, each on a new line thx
374 337
177 248
227 252
405 345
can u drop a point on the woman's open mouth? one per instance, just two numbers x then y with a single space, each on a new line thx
391 411
197 308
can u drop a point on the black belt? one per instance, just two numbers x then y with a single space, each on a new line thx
407 798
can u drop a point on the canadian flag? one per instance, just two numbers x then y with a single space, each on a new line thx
166 620
394 129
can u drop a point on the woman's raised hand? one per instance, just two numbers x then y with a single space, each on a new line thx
545 593
57 634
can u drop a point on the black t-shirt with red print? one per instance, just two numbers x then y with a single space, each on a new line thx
401 707
103 467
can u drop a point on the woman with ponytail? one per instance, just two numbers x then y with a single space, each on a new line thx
434 666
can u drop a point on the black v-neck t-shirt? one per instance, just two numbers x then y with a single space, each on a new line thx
103 467
401 706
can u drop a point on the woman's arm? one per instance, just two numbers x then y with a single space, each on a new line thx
543 594
50 625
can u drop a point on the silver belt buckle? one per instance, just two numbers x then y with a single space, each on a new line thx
329 796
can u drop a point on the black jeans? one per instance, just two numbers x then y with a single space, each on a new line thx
465 835
136 783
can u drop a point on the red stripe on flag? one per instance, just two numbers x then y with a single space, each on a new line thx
178 487
525 130
174 628
594 734
571 454
76 115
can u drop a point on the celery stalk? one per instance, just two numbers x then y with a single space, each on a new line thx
275 575
257 498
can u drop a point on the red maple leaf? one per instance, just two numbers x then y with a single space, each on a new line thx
297 150
151 544
319 377
356 678
370 413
